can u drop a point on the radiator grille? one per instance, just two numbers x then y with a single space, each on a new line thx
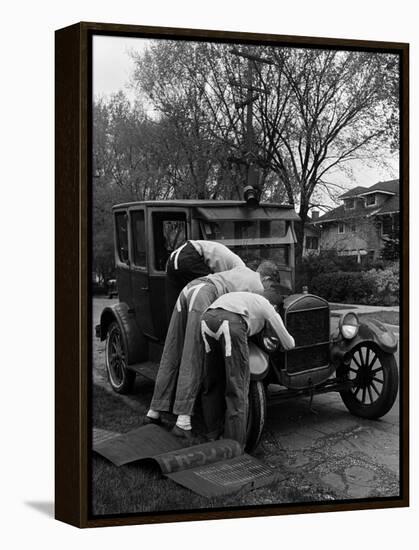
309 327
310 330
307 358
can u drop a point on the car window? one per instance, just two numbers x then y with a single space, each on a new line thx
121 224
139 239
243 230
170 232
254 241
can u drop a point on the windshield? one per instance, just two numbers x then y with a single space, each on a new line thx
254 241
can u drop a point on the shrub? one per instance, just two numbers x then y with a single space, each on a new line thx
327 261
342 286
391 248
386 283
373 287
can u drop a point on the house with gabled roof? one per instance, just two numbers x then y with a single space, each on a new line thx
311 244
360 226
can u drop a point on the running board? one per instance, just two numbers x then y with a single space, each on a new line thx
148 369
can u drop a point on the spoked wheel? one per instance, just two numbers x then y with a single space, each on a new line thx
374 381
257 414
121 379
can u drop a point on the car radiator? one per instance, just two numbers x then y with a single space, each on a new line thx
310 329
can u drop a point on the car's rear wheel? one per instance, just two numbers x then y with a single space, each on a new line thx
120 377
256 415
374 381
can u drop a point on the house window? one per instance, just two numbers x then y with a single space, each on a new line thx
353 227
368 257
349 204
341 228
388 225
370 200
312 243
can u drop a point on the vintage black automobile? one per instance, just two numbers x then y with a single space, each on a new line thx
357 360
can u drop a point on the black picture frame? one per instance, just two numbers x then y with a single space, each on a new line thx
73 74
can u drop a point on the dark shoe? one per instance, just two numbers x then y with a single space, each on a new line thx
214 435
180 432
210 438
149 420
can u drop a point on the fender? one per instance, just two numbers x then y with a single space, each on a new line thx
369 331
134 340
258 362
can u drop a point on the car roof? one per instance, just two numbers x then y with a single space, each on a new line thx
197 202
213 210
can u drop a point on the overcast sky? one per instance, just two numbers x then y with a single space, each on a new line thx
112 67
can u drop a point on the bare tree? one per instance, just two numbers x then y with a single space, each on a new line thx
312 111
167 76
325 108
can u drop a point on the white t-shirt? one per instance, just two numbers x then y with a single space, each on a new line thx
217 256
238 279
257 311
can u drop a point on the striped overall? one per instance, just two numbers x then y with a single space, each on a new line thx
183 266
180 373
226 374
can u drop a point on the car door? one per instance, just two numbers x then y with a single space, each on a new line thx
140 289
122 260
170 229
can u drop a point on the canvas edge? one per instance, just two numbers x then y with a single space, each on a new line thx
72 306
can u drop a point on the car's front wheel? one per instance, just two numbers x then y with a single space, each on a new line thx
374 381
256 414
120 377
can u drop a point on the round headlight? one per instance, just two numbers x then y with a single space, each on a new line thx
349 326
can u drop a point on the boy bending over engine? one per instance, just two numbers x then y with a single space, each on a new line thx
196 259
225 327
179 377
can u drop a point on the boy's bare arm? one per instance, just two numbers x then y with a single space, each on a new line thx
287 341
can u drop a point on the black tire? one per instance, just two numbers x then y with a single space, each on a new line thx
257 414
120 377
375 381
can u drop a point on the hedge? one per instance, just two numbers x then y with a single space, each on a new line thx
373 287
329 261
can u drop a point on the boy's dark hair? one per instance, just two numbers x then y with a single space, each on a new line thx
273 296
269 270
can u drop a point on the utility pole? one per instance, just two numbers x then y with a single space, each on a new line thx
250 137
251 97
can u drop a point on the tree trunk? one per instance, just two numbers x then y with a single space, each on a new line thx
201 179
299 232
